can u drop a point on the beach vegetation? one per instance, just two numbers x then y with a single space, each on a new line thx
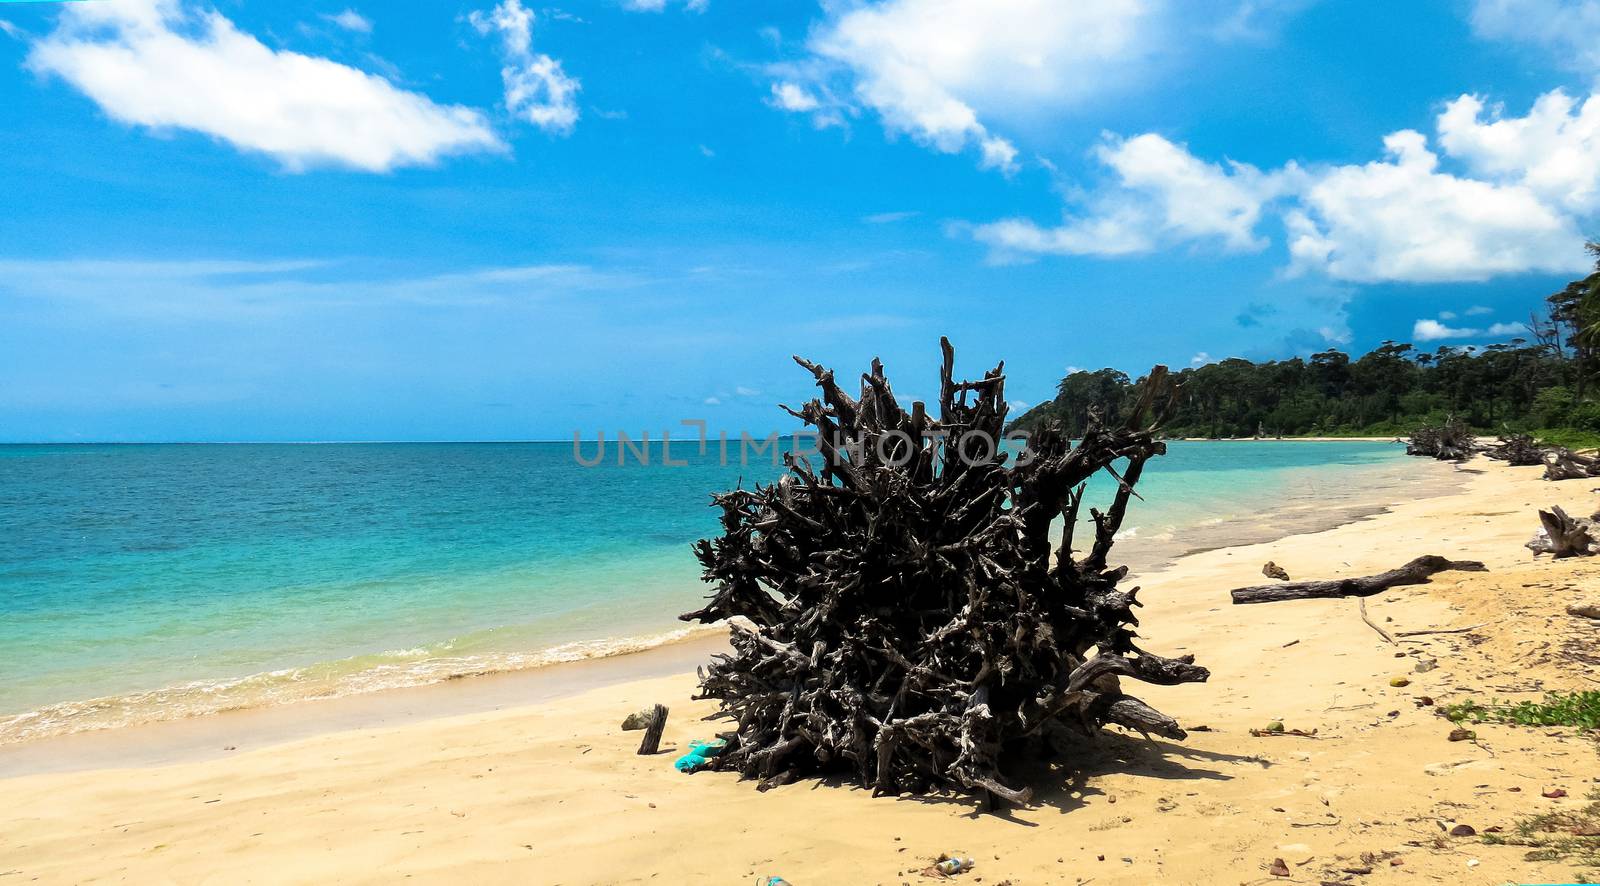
1571 835
1580 709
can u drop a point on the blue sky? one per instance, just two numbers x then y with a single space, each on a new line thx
496 221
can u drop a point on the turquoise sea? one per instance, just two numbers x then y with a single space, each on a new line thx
150 582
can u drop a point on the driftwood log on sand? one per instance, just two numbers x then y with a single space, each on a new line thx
901 612
1418 571
1564 464
1517 450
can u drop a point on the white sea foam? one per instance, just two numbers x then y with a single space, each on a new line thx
393 669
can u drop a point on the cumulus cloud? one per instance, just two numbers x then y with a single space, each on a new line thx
536 88
938 69
1162 194
162 65
1401 219
1515 200
1433 330
1554 150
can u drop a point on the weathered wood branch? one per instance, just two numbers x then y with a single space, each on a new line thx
1418 571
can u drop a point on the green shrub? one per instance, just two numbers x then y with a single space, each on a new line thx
1584 417
1552 407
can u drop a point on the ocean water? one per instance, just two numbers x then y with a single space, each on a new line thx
141 583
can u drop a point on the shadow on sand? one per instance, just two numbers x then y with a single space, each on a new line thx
1062 782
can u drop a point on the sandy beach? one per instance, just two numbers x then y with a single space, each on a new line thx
551 791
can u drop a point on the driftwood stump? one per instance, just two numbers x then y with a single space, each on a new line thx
901 613
1562 536
652 732
1451 441
1418 571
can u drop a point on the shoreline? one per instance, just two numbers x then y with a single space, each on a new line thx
448 687
549 790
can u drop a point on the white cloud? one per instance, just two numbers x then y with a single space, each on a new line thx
1554 150
1563 29
156 64
743 391
11 30
887 218
1447 315
938 69
661 5
998 153
713 401
1200 359
1478 311
1162 194
536 88
1433 330
1401 219
352 21
793 97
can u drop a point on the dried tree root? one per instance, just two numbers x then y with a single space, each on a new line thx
903 613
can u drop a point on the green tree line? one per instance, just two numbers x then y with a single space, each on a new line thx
1544 381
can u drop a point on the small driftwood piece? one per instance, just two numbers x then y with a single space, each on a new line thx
1562 536
1273 570
1451 441
1517 450
1431 631
1564 464
1361 606
652 732
902 614
1417 572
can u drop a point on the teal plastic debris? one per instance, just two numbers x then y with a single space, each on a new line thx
953 863
772 881
699 753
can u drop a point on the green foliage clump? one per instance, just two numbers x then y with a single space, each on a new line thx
1580 709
